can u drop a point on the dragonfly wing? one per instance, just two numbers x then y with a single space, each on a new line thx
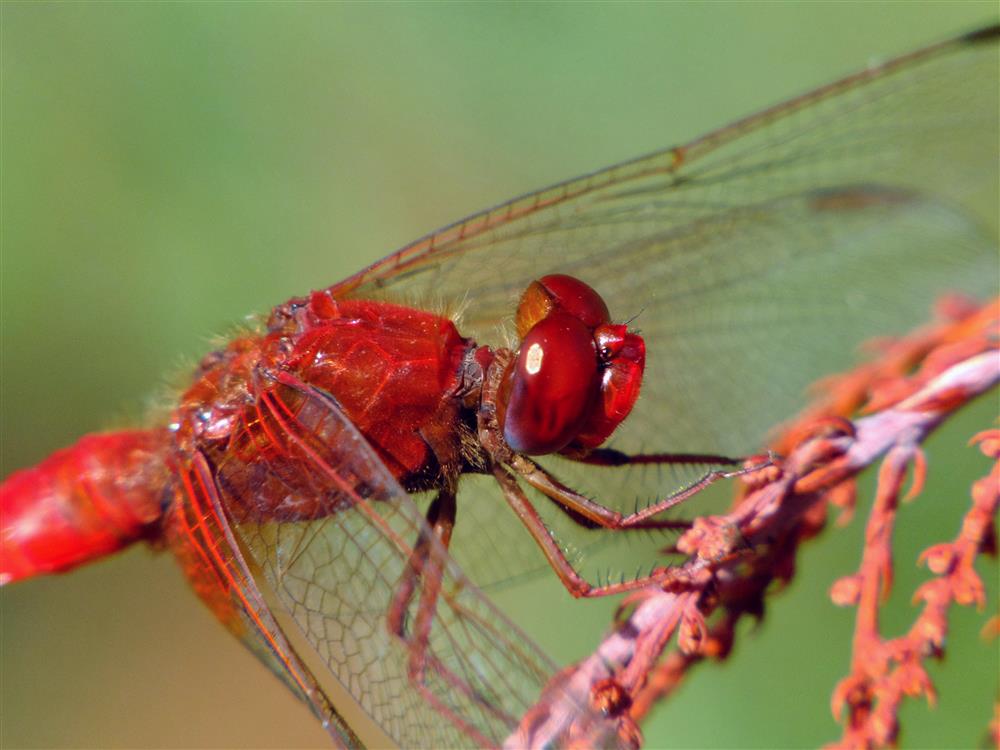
337 570
198 531
759 257
754 261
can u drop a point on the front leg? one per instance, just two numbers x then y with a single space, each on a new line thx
601 515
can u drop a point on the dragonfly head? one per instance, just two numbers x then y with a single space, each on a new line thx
575 376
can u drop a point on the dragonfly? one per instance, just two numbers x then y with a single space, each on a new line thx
311 478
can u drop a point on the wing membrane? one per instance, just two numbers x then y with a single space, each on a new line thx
754 261
760 256
334 551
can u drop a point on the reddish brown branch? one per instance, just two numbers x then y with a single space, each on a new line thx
735 558
884 672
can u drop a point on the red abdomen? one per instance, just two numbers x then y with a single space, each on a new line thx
81 503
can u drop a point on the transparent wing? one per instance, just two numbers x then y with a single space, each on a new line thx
332 532
197 530
754 260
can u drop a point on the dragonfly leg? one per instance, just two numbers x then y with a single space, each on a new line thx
576 584
611 457
600 515
422 566
426 569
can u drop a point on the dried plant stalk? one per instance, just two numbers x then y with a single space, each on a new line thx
915 384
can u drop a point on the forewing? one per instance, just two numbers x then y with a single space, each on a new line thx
754 260
197 529
332 531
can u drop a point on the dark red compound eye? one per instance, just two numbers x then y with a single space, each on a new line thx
552 384
579 300
563 293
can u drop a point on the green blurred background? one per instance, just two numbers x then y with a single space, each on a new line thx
168 169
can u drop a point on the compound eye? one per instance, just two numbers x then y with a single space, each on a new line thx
550 386
559 292
578 299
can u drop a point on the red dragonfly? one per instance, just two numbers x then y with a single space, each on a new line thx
309 479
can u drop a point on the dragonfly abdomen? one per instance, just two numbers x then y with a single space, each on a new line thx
81 503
